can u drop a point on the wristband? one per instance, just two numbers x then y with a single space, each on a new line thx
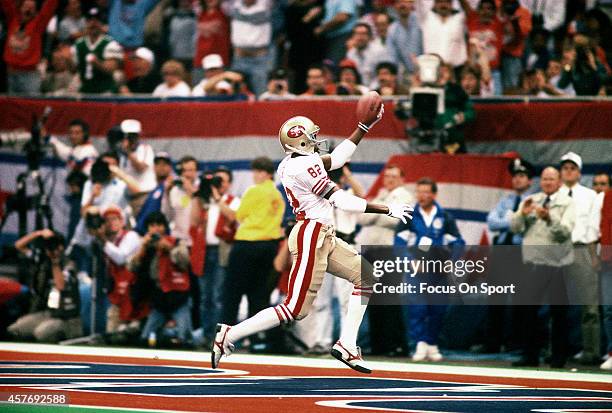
363 127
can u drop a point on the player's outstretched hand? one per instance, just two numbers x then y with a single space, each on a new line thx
400 211
379 116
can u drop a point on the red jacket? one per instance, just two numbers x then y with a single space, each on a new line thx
171 278
606 227
23 49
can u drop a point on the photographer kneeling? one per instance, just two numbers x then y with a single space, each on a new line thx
162 265
55 303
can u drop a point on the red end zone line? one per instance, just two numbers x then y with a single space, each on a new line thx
273 370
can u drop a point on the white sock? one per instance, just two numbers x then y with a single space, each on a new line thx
356 307
263 320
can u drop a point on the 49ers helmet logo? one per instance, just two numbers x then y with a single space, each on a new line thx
296 131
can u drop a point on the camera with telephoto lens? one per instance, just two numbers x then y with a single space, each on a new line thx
207 181
93 220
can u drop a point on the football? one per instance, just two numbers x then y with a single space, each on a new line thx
368 105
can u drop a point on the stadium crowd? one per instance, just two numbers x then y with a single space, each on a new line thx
290 48
172 251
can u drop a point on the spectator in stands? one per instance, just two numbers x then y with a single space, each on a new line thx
378 8
75 181
137 161
335 29
316 82
72 25
162 165
145 79
162 267
60 78
443 31
365 54
55 306
475 78
553 74
251 36
386 76
219 229
80 154
217 81
278 86
580 275
250 262
534 83
177 202
350 82
517 26
305 48
97 56
212 36
118 245
405 40
486 32
538 55
583 71
180 24
382 22
25 27
126 21
545 220
174 84
601 182
546 15
433 226
386 332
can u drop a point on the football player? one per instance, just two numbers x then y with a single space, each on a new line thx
313 245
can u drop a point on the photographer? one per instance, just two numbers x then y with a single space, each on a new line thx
80 154
278 86
177 202
54 313
162 267
118 245
137 160
214 214
583 71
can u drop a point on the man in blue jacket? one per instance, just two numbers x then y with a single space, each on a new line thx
431 226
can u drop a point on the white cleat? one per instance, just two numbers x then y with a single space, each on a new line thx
221 345
350 357
420 354
433 353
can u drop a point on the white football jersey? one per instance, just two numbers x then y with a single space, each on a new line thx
306 181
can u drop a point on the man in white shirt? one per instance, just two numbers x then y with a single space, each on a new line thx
581 276
443 31
81 154
177 202
137 160
366 53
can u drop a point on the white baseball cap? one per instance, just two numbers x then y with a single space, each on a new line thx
572 157
145 54
131 126
212 61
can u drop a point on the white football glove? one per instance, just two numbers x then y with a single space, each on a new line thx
381 111
400 211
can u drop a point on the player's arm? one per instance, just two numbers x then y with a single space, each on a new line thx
351 203
343 152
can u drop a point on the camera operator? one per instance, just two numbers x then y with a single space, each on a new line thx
54 313
218 230
80 154
108 185
583 71
278 86
162 264
164 175
137 160
118 245
177 201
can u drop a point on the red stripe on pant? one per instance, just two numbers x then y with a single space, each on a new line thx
308 272
298 261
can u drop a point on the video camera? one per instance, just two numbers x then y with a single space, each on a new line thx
94 220
207 181
34 146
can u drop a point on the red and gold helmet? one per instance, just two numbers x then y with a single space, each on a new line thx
299 135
